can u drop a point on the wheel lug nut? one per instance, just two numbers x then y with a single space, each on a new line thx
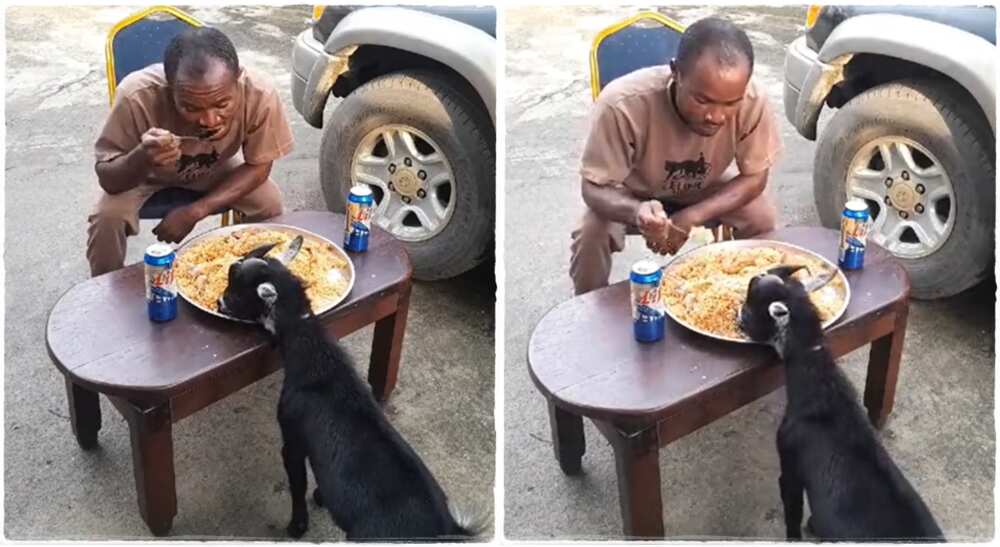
906 176
407 162
888 201
392 168
422 174
903 215
919 208
406 199
921 189
888 182
421 193
392 187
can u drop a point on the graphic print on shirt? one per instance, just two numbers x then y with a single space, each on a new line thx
683 176
198 165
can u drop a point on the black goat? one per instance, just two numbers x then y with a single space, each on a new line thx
826 445
369 479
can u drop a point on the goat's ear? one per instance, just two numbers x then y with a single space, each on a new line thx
785 272
259 252
779 312
267 293
292 251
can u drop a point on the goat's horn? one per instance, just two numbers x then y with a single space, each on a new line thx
785 271
292 251
259 252
818 282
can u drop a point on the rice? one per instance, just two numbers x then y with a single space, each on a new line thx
202 270
707 290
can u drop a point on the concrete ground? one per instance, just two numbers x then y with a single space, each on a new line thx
720 481
230 480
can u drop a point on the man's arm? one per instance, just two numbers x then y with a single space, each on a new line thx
614 203
735 194
241 181
157 148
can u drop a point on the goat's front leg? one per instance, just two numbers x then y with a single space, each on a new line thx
294 456
791 494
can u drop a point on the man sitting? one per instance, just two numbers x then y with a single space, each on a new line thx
675 146
198 121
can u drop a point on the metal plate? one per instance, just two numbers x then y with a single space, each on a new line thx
845 294
226 230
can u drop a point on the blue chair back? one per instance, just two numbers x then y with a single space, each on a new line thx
644 40
140 40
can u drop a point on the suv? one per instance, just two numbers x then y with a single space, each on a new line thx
914 134
416 123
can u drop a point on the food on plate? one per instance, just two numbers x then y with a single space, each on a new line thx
706 290
202 269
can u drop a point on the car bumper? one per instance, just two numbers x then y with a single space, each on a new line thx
305 54
802 97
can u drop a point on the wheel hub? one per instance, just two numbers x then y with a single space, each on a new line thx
904 196
407 183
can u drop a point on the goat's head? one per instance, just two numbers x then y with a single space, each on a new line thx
773 297
257 283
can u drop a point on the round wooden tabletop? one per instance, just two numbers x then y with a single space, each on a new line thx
583 356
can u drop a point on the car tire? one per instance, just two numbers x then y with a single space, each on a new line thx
942 118
442 107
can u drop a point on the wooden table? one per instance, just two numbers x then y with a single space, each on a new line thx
156 374
582 356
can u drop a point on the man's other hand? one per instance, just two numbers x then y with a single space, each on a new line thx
177 224
652 222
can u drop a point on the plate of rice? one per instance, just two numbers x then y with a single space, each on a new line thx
703 289
202 265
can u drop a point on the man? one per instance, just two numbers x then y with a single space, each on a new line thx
198 121
677 146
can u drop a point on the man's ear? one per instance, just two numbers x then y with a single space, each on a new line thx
267 293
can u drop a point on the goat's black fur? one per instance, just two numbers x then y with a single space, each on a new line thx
370 480
826 445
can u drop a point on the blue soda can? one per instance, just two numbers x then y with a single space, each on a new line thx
359 218
648 311
161 292
854 225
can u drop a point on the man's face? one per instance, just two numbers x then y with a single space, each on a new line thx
709 93
206 99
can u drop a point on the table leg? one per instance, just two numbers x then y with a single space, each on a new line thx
387 346
84 414
637 459
151 430
883 369
567 439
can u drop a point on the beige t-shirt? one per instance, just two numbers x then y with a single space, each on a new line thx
259 128
638 140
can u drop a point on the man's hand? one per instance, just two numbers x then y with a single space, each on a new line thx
652 222
160 147
177 224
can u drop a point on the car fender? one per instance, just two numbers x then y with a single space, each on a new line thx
465 49
959 55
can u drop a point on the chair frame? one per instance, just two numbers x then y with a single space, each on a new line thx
595 71
109 55
229 217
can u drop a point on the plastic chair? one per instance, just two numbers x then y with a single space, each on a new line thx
643 40
134 43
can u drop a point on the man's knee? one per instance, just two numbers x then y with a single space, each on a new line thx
592 229
763 220
263 203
